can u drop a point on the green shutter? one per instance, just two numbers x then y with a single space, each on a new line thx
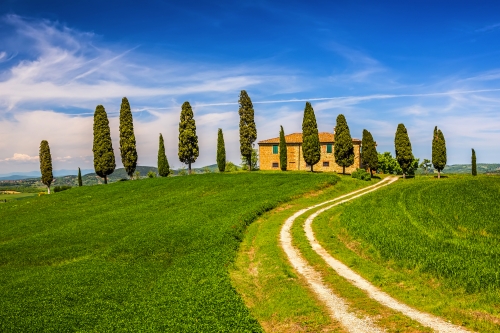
329 148
275 149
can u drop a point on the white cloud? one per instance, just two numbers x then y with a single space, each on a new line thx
17 157
64 70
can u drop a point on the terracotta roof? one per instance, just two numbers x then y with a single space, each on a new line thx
297 138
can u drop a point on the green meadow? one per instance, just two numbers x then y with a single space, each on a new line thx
432 243
149 255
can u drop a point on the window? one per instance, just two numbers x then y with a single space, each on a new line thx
329 148
275 164
326 164
275 149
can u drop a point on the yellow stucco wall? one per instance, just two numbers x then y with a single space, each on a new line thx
296 160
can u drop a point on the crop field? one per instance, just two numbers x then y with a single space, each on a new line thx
433 243
17 196
148 255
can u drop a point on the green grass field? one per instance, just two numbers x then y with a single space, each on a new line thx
434 244
149 255
11 197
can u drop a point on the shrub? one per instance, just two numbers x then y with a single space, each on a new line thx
61 188
361 174
151 174
230 167
182 171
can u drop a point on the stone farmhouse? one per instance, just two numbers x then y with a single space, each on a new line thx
270 158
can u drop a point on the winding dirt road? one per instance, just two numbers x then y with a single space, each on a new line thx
337 307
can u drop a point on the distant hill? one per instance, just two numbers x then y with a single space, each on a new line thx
26 183
467 168
36 174
15 177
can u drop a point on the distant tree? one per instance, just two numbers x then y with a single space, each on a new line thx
188 140
104 156
79 177
388 164
369 155
230 167
127 138
311 149
283 150
254 161
474 168
404 155
248 131
163 167
46 164
413 167
343 147
221 151
438 151
425 165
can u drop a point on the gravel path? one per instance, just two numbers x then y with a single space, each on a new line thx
436 323
337 307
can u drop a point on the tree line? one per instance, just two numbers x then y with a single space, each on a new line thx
188 149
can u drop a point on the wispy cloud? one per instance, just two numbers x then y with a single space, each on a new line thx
489 27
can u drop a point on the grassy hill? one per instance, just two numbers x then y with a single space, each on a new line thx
434 244
33 184
148 255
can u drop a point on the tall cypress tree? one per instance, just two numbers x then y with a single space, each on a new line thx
46 164
369 154
343 147
438 151
311 149
163 167
248 131
402 144
127 138
104 156
80 183
283 150
221 151
188 140
474 168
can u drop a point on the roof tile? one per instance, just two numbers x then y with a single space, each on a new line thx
324 137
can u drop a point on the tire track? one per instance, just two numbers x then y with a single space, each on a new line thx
337 307
428 320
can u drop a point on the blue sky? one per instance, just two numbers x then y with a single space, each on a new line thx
423 64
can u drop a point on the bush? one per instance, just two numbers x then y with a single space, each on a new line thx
61 188
151 174
230 167
361 174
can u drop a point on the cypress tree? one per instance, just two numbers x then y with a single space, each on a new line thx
369 154
80 183
46 164
311 149
221 151
104 156
283 151
343 147
127 138
402 144
163 167
474 168
438 151
188 140
248 131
